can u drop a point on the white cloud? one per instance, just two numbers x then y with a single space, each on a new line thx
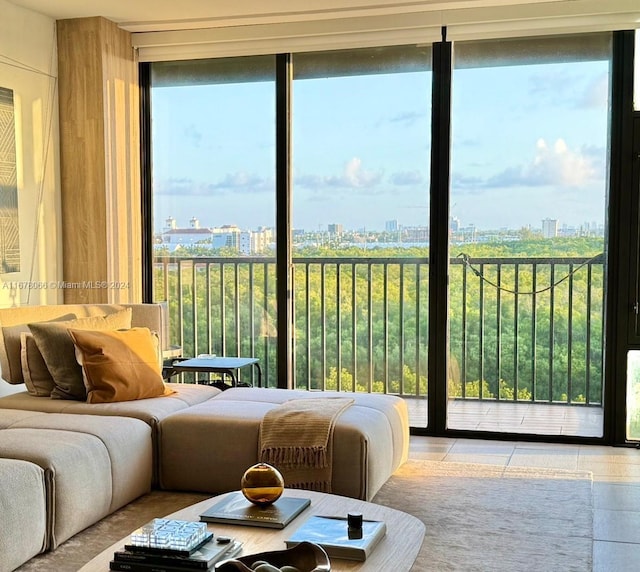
467 184
353 176
241 181
556 165
359 177
231 182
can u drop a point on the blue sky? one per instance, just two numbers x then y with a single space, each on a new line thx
529 142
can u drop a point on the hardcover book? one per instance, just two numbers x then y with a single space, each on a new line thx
147 567
202 559
338 541
236 509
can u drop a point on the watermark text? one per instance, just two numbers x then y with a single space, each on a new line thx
62 285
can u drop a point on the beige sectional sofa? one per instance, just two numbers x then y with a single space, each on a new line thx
92 465
23 514
57 453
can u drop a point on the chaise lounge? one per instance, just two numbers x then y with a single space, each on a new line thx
56 453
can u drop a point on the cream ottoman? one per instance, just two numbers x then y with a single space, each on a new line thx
209 446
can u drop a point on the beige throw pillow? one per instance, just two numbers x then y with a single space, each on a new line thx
13 348
119 365
57 349
34 369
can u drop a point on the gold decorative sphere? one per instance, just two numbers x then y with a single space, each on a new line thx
262 484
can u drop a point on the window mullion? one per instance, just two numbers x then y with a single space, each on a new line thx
439 236
284 75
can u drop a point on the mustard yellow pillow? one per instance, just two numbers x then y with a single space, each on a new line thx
120 365
58 352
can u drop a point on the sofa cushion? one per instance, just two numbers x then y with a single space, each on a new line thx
70 478
119 365
58 351
151 410
12 370
9 417
23 516
37 378
92 465
128 443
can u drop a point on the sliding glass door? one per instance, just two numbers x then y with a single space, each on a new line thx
361 150
528 225
213 181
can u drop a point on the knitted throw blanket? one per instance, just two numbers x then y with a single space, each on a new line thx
297 438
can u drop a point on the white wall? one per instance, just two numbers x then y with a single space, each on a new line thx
28 66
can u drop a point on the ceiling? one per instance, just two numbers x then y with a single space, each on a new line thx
156 15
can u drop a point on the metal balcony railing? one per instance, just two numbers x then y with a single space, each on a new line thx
521 329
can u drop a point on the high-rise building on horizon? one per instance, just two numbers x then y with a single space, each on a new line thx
549 227
226 236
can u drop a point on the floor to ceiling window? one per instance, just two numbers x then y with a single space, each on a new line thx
213 141
529 185
361 149
527 224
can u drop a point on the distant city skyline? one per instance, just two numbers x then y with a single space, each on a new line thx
172 225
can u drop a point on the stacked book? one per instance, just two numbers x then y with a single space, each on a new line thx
165 545
338 539
234 508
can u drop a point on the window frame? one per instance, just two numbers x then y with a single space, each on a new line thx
623 272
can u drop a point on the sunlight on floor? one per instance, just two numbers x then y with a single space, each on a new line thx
616 485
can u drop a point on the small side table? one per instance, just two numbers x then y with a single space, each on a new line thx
222 365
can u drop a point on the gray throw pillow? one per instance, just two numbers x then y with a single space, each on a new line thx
57 349
37 378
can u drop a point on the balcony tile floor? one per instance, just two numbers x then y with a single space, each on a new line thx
616 485
506 417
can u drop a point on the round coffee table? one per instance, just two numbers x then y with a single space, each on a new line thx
397 551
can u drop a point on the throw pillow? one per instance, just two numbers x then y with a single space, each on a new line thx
57 349
34 370
119 365
13 348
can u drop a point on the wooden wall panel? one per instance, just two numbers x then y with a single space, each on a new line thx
99 156
121 102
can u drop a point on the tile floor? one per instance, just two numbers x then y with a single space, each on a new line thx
505 416
616 485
